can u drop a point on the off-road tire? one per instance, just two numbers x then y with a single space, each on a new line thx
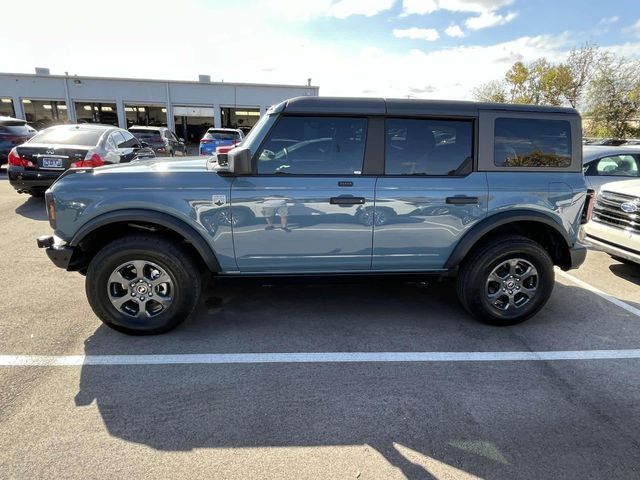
172 258
476 268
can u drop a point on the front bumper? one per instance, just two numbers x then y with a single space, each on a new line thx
612 249
24 180
59 253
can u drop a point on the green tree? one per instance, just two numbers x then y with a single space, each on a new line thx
581 65
613 97
493 91
517 79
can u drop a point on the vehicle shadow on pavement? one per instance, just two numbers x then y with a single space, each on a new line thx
628 271
33 208
489 419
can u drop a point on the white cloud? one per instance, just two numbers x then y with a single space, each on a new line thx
454 31
423 7
368 8
609 20
281 51
419 7
489 19
428 34
633 29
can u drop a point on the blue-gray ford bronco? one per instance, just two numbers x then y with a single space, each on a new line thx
491 194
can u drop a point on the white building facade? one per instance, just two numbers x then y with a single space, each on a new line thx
183 106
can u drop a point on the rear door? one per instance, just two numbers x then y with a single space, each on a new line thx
429 195
303 208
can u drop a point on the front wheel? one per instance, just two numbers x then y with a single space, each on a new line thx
507 281
142 285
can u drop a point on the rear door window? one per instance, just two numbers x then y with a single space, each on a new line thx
129 140
118 139
314 146
428 147
524 142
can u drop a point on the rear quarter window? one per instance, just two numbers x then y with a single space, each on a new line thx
524 142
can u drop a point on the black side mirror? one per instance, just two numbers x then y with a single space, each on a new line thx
239 161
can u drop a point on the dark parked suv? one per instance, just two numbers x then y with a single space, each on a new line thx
163 141
13 132
491 194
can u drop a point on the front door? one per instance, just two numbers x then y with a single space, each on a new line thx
305 208
429 196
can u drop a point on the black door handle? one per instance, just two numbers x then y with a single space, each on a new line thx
346 200
462 200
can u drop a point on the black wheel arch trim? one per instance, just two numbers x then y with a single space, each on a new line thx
494 221
163 219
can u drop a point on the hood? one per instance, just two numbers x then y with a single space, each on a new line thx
183 164
625 187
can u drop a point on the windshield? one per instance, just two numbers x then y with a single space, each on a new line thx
147 135
259 130
68 136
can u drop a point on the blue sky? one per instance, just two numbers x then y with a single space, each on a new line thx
393 48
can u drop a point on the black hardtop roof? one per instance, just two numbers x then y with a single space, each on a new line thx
404 106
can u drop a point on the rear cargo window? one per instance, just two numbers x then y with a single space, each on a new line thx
68 136
523 142
222 135
147 135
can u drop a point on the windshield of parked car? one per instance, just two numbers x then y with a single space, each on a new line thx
222 135
68 136
147 135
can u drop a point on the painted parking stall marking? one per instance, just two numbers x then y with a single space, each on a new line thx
316 357
610 298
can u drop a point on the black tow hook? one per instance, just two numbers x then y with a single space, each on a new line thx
45 241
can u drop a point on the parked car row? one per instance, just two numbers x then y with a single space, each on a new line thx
34 165
612 142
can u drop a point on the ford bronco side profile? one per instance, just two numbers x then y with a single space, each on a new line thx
492 194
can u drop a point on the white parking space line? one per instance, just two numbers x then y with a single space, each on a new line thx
635 311
315 357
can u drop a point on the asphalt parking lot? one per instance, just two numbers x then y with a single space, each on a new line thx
302 416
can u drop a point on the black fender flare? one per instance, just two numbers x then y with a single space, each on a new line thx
165 220
491 222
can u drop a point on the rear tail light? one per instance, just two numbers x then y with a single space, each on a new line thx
15 160
587 211
51 212
92 160
222 156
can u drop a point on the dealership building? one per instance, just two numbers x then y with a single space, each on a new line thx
188 108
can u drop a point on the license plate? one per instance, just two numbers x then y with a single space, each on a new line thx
48 162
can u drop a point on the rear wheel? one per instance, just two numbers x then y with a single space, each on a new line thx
506 282
142 285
